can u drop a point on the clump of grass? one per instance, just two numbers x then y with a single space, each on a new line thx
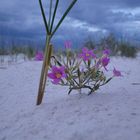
30 52
2 53
118 48
127 50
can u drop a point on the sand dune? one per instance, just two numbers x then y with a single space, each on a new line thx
112 113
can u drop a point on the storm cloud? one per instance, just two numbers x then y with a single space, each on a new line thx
22 19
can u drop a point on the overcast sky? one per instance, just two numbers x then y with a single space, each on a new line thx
22 19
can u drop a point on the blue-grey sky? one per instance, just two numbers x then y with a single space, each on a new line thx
22 19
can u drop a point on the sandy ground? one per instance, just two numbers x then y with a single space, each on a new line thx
113 113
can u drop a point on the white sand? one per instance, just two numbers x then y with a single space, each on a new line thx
113 113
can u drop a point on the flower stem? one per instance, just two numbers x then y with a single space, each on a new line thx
77 88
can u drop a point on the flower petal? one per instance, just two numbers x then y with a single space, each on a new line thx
51 75
116 73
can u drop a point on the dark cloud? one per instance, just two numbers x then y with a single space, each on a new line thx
87 18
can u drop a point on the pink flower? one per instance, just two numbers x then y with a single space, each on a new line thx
39 56
116 73
68 44
57 73
105 61
87 54
106 52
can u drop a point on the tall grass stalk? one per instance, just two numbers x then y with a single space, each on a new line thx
48 48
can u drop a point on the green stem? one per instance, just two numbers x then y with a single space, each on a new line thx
44 17
55 9
75 88
50 14
44 72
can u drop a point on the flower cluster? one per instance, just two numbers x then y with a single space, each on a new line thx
83 70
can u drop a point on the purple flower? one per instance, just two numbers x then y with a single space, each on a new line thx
105 61
106 52
39 56
68 44
57 73
87 54
116 73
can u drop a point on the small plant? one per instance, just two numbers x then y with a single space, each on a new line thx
84 70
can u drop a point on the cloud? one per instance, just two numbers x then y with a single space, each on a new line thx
87 18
